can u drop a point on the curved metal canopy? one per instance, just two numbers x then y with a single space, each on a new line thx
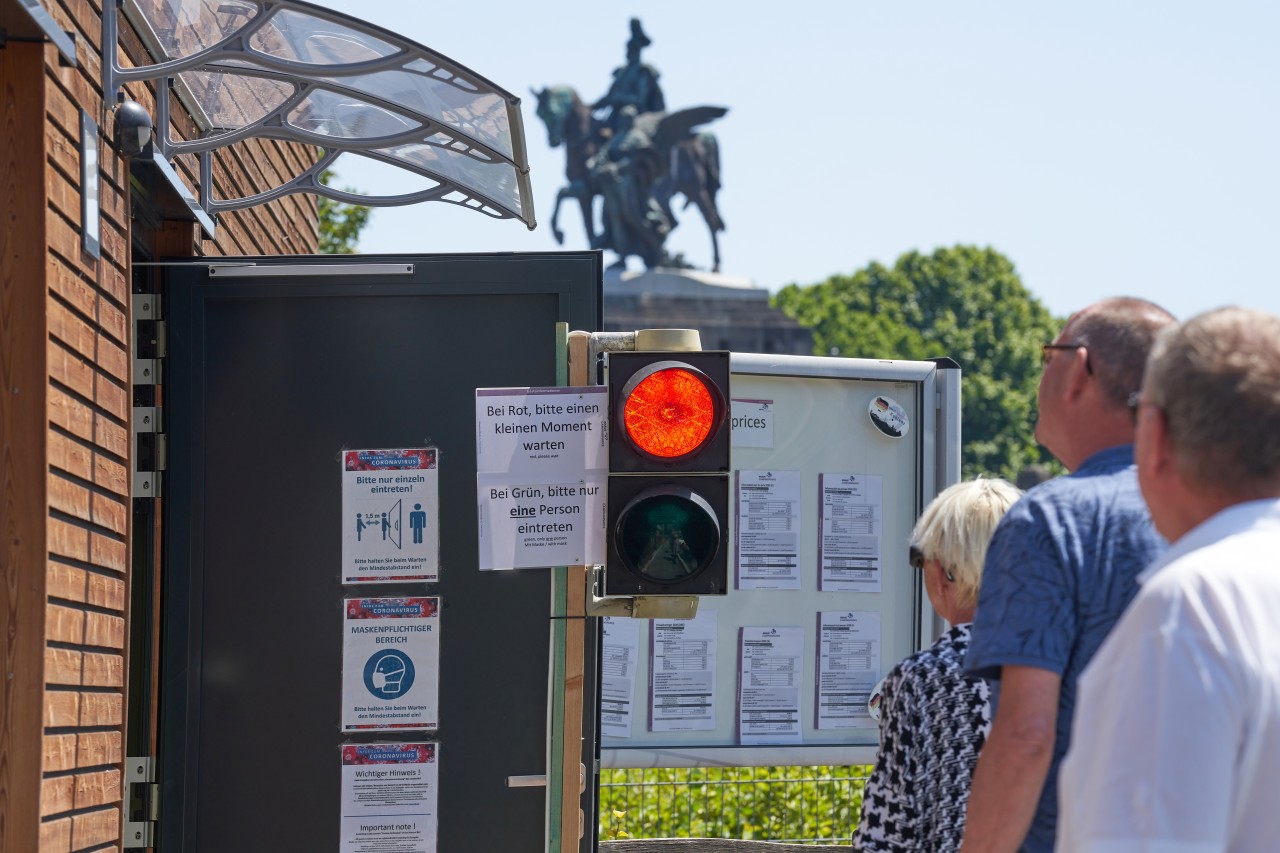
286 69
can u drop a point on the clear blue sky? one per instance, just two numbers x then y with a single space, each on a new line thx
1105 147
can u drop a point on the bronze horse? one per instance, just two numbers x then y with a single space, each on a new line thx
693 169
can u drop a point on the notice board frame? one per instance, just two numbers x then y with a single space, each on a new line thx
930 392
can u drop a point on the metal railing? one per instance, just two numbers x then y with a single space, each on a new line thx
798 805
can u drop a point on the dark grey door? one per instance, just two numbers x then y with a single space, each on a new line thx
269 378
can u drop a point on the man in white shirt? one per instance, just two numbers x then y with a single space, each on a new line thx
1176 736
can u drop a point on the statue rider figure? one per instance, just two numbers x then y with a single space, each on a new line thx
634 84
624 173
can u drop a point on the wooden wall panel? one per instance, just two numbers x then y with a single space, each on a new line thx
65 469
23 507
86 463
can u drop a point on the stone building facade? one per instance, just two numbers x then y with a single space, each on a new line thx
730 312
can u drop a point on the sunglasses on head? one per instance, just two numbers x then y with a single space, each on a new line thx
916 558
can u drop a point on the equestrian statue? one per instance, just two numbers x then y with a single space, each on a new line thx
627 149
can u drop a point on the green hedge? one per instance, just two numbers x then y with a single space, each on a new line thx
796 804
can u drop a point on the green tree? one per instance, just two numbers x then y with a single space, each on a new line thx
964 302
340 224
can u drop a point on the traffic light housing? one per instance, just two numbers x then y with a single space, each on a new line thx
669 436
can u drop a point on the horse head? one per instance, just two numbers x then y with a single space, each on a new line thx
554 105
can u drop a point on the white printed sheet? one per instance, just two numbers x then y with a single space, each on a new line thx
682 674
618 677
769 682
852 513
768 529
848 668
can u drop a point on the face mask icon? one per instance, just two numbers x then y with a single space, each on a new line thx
388 674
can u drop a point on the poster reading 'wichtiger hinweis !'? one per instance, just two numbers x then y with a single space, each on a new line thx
390 515
390 796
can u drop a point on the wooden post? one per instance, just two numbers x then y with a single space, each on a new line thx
565 820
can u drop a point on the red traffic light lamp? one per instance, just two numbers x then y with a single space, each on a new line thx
668 473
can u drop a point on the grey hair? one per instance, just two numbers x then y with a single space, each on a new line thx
1217 380
1119 334
955 529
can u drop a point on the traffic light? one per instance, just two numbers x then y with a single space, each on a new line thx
668 473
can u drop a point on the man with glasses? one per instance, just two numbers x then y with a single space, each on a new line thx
1061 568
1176 742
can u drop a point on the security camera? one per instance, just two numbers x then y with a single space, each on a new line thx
133 128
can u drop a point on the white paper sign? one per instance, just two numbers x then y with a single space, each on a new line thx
769 681
768 530
752 423
541 469
848 668
543 524
682 673
529 435
390 663
390 515
849 548
390 797
618 675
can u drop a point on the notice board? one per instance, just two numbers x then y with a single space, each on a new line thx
833 461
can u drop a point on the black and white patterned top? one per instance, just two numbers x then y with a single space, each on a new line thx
933 722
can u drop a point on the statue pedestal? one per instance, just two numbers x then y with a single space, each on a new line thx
730 312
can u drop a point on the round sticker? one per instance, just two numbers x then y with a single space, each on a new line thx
889 417
877 698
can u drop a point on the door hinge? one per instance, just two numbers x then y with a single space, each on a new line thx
146 371
150 451
142 802
151 332
150 339
149 347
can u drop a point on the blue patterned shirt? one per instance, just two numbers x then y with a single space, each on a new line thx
1062 567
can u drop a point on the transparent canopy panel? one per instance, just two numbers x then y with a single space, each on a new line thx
232 101
497 181
480 115
294 70
299 37
331 114
186 27
366 176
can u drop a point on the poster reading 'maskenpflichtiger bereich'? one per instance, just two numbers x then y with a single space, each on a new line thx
390 663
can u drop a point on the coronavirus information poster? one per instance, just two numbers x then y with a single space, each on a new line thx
390 515
390 663
390 796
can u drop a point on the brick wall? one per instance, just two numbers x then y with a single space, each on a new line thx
65 325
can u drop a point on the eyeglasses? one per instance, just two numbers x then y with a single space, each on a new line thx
1135 403
1046 348
916 557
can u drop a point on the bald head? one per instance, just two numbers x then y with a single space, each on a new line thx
1119 334
1217 380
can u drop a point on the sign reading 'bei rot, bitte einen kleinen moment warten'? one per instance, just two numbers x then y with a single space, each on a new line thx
541 467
